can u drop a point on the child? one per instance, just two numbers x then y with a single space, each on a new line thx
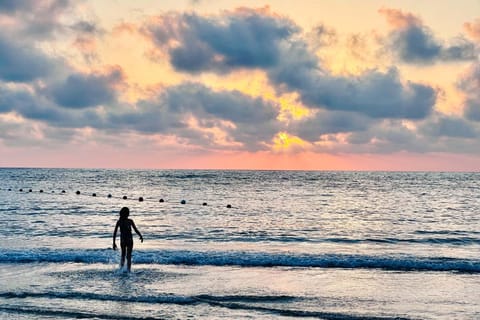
126 239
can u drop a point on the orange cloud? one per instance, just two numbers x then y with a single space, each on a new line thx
125 27
399 19
87 47
248 11
473 29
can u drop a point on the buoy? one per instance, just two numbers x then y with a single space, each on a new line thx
63 191
124 197
183 202
9 189
109 195
41 191
140 199
53 191
94 194
229 206
78 192
204 204
20 190
161 200
29 190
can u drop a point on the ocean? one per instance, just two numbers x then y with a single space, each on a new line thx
243 245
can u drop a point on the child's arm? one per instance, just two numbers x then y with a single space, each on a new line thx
136 230
115 236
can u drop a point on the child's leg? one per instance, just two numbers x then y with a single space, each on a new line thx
122 260
129 257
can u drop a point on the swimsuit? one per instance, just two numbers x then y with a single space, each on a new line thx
126 238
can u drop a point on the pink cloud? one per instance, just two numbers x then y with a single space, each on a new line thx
400 19
473 29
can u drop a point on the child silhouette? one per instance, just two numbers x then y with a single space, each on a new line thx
126 239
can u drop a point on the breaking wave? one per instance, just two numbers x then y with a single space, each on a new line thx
245 259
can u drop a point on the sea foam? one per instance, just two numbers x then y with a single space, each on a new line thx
246 259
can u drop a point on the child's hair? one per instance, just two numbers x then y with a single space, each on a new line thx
124 212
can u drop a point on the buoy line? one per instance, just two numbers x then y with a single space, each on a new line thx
109 196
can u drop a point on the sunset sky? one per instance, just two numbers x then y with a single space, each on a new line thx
306 84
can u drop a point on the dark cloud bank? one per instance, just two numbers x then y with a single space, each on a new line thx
249 39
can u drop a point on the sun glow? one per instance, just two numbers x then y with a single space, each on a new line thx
284 142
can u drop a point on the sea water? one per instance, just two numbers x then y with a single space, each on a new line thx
245 245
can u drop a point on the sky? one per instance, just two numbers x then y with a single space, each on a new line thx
226 84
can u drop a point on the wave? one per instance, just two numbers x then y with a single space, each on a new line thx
455 241
240 302
397 262
453 238
252 237
167 298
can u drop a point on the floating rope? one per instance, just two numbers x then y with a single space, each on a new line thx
139 199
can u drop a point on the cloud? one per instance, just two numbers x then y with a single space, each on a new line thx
29 38
35 34
250 39
373 93
12 100
321 36
413 42
226 105
87 90
30 106
386 136
87 28
399 19
472 110
14 6
448 126
378 136
351 133
473 29
439 133
245 38
22 62
37 22
469 83
444 133
37 19
329 122
87 47
365 112
190 112
18 132
86 34
251 122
